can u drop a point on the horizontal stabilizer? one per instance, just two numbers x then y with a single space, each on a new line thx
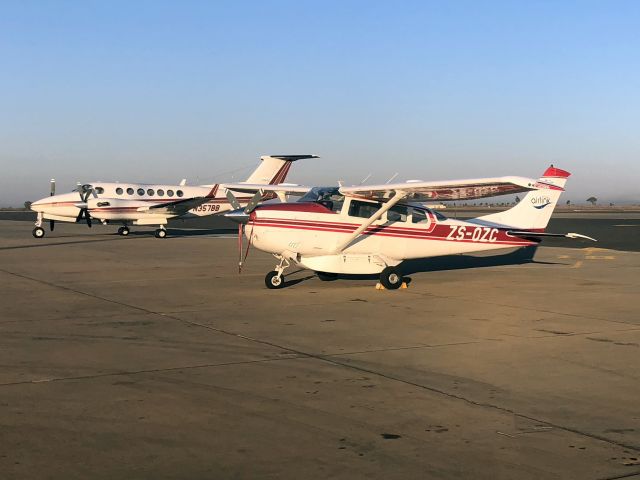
293 158
523 233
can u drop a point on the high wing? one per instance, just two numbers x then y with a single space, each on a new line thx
179 207
469 189
255 187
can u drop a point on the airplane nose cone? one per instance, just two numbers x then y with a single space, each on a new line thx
238 216
37 205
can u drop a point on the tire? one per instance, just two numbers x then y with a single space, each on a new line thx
273 281
160 233
124 231
38 232
391 278
327 276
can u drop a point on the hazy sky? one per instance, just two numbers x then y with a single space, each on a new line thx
156 91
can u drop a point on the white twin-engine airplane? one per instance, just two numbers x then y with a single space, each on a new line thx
143 204
372 229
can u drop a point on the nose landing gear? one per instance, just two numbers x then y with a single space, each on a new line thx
38 232
275 278
161 232
124 231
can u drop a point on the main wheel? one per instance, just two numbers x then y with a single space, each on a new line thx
38 232
327 276
124 231
273 280
161 233
391 278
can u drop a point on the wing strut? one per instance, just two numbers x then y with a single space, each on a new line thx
397 196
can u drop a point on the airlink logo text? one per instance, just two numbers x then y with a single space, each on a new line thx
540 202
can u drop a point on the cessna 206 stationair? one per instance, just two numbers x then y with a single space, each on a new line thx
143 204
372 229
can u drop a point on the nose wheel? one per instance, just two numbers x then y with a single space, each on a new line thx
274 280
124 231
38 232
161 233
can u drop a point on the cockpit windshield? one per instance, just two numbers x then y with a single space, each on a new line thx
330 197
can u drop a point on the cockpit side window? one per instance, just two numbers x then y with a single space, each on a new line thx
418 216
363 209
397 214
439 216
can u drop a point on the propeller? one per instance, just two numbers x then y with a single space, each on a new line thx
84 191
242 216
52 223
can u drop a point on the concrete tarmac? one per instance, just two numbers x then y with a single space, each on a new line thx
145 358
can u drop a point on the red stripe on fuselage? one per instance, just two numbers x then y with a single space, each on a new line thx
435 232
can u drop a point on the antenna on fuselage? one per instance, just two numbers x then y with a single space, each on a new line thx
183 182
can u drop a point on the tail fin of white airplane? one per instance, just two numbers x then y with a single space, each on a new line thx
273 169
533 212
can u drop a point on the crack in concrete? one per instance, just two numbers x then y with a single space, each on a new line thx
151 370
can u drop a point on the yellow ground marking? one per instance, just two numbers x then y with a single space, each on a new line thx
578 264
590 250
600 257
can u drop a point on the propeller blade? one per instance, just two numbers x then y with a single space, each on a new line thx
80 215
53 187
253 203
233 200
52 225
84 191
88 217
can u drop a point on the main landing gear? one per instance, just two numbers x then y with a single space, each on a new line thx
275 278
159 233
391 278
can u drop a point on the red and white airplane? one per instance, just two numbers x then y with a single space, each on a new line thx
144 204
372 229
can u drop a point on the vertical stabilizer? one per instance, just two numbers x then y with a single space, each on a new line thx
273 169
533 212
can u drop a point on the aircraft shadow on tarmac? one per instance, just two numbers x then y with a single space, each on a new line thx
460 262
192 232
